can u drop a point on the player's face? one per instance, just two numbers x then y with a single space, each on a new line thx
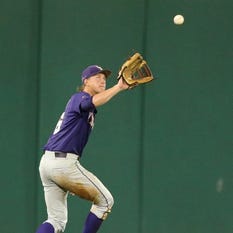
96 83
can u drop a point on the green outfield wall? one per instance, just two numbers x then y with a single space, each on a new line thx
165 149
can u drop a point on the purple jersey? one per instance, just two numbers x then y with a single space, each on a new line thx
75 125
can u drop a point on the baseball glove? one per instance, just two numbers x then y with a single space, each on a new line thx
135 71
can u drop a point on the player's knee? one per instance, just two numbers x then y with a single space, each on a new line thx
107 202
110 201
107 210
104 207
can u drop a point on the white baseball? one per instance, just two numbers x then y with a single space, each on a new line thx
178 19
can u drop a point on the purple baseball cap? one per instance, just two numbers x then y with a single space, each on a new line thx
93 70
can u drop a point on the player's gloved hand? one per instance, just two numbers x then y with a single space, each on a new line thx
135 71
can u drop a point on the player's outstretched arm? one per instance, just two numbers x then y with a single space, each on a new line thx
103 97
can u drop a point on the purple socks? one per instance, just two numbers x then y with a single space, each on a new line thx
45 228
92 224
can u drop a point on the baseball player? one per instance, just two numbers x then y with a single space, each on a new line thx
60 169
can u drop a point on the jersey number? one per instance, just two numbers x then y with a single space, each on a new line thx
59 123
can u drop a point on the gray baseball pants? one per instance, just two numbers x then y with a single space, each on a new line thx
60 176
